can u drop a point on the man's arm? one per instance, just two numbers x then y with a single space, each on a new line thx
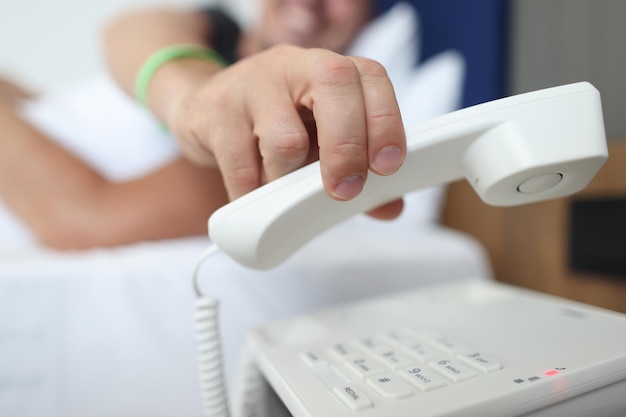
131 39
68 205
267 114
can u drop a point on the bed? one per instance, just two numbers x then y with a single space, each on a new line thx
110 331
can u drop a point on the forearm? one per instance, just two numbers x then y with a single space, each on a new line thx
68 205
174 201
131 39
40 182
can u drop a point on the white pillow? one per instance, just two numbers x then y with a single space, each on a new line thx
392 39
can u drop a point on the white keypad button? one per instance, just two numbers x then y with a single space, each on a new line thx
481 362
313 358
423 379
393 358
364 366
453 370
353 397
390 386
423 352
341 351
369 343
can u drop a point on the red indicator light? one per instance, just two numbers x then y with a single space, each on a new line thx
551 373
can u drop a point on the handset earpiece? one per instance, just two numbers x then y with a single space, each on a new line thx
516 150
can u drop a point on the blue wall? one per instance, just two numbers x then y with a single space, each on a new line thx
477 29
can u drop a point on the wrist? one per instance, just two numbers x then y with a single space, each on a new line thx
171 72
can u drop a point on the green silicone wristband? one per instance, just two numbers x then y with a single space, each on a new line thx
163 56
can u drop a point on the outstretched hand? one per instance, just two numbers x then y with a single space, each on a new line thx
280 109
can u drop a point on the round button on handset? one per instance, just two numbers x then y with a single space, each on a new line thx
540 183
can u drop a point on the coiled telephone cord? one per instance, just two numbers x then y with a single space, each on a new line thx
210 358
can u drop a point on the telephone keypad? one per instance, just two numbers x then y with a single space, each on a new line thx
397 365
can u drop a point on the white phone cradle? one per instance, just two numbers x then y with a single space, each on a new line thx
465 349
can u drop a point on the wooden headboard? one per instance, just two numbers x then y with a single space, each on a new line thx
529 245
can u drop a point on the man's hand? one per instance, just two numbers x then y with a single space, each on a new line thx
278 110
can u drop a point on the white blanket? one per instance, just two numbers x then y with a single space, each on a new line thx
109 332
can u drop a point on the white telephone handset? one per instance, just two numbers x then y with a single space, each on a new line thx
521 149
441 351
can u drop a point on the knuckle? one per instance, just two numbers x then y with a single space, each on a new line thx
349 148
280 49
385 114
242 178
288 146
371 68
199 128
333 70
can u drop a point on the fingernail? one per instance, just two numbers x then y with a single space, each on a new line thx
388 160
349 187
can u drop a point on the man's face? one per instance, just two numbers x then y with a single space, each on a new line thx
331 24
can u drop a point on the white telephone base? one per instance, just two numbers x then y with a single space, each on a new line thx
467 349
464 350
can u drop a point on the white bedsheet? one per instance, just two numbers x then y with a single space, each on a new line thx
109 332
